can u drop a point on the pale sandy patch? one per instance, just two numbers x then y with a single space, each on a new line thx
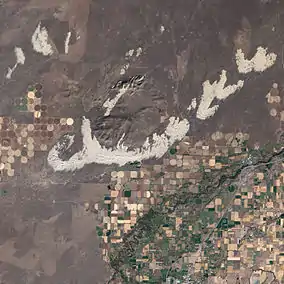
215 90
40 41
94 152
258 63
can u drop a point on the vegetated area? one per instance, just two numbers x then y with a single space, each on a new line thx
198 216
